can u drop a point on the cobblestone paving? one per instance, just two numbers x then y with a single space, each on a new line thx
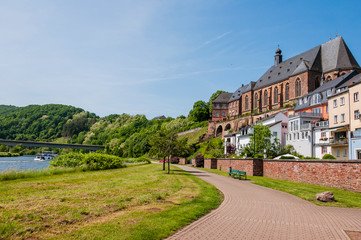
250 211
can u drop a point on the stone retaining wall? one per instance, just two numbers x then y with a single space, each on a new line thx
344 174
253 167
182 161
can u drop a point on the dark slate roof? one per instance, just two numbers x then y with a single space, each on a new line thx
272 124
159 118
326 57
223 98
353 81
336 83
238 94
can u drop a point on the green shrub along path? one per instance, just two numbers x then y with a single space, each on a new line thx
137 202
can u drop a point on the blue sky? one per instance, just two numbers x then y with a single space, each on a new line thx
154 57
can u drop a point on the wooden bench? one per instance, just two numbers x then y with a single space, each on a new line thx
238 174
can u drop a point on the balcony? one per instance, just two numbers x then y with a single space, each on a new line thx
356 134
305 114
306 126
334 142
322 124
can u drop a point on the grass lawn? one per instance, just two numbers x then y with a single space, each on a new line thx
139 202
307 192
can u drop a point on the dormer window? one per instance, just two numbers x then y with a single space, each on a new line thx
269 77
279 73
288 70
316 99
290 62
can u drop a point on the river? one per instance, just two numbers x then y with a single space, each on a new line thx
21 163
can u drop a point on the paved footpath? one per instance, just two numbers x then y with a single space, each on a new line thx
250 211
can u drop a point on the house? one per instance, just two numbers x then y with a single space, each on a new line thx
308 127
277 124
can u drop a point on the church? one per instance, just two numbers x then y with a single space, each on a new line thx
282 84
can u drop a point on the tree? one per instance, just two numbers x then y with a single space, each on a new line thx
164 144
212 98
200 112
260 140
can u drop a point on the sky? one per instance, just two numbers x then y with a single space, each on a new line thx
155 57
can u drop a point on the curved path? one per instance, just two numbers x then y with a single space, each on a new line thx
250 211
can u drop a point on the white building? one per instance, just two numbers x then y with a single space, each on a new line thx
277 124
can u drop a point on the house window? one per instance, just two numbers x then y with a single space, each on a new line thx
323 134
357 114
338 153
246 103
275 134
342 117
298 136
298 87
224 114
342 101
265 98
335 119
276 95
224 106
345 152
324 150
217 106
217 114
355 97
287 92
303 135
316 99
290 136
327 108
335 103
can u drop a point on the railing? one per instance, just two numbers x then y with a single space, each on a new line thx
356 134
306 126
305 114
341 141
322 124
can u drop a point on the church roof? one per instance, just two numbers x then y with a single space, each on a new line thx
238 93
223 98
329 56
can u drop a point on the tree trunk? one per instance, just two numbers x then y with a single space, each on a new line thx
168 164
164 164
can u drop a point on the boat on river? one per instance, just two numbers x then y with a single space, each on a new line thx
45 155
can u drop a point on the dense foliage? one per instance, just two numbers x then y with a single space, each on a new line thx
90 161
328 156
35 122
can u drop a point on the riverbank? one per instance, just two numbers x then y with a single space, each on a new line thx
9 154
139 202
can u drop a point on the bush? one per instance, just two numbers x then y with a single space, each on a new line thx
287 157
259 155
91 161
199 160
174 160
328 156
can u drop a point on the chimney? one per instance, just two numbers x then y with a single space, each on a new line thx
278 57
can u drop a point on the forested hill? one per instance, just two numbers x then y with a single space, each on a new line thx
42 122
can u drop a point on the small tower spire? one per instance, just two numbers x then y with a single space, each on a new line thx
278 56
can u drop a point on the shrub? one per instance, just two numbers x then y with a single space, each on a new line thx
287 157
174 160
259 155
199 160
328 156
91 161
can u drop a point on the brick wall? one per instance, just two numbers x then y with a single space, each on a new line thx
340 174
182 161
253 167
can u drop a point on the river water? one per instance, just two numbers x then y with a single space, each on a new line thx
21 163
